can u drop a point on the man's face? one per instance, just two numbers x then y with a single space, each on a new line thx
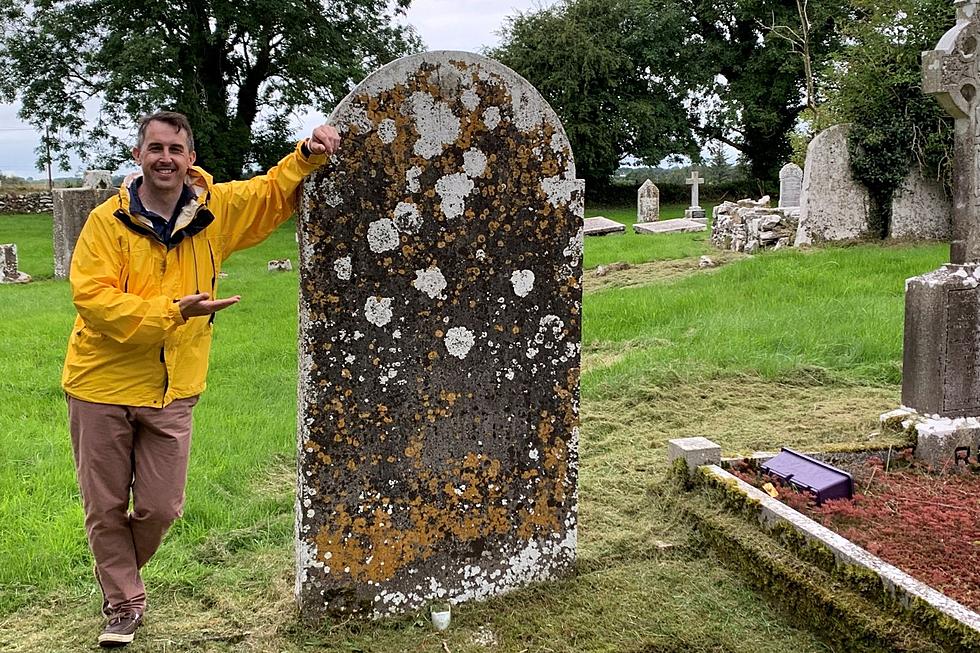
164 157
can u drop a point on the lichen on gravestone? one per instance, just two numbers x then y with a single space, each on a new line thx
440 329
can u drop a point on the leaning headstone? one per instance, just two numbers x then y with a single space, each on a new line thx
921 209
695 212
8 265
440 329
790 185
648 202
600 226
71 208
834 206
97 179
941 362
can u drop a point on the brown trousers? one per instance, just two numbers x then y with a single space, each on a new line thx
121 450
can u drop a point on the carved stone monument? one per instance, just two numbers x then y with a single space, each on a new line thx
941 366
648 202
8 265
440 329
790 185
71 208
695 212
97 179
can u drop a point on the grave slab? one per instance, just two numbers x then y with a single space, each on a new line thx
600 226
678 225
440 330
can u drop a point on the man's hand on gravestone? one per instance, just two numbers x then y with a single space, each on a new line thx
197 305
325 140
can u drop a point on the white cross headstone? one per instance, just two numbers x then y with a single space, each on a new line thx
695 212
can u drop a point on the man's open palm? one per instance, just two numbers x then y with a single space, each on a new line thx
199 304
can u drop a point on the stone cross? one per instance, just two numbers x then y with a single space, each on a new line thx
693 182
790 185
950 74
648 202
440 330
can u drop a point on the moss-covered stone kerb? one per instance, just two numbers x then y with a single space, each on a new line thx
948 621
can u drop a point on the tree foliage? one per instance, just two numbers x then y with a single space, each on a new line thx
237 69
878 80
610 69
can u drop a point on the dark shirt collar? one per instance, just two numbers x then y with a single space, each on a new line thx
162 227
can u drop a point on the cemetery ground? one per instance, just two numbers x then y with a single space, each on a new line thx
788 348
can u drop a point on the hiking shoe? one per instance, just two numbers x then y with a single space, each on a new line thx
121 629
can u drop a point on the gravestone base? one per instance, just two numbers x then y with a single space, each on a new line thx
941 365
695 213
939 441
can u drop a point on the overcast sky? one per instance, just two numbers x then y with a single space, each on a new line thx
468 25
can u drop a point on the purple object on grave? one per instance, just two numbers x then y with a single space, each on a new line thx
806 473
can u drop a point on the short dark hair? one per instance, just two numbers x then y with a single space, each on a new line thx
176 120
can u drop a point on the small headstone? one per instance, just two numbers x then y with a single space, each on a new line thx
695 212
600 226
648 202
834 206
280 265
71 208
8 265
678 225
440 329
97 179
790 185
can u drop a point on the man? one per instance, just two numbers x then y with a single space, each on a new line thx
144 280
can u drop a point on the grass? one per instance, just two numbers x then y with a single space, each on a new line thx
786 348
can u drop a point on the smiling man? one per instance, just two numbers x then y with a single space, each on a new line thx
144 277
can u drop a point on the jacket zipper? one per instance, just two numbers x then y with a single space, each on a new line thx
166 377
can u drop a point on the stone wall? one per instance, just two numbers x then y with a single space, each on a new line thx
18 203
750 225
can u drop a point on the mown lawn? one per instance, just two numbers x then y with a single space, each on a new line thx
787 348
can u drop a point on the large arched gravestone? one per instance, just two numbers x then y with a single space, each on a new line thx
440 327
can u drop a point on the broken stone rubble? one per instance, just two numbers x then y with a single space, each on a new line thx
750 225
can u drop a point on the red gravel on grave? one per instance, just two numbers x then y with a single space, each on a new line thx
925 522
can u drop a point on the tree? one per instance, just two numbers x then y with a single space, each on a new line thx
878 80
758 77
610 70
238 69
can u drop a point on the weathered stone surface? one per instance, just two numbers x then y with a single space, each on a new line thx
834 206
600 226
941 366
648 202
678 225
8 265
71 209
97 179
694 452
280 265
790 185
440 329
750 225
21 203
921 209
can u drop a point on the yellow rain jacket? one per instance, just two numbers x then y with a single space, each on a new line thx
130 345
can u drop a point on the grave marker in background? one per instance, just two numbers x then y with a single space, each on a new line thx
695 212
440 328
71 207
648 202
790 185
8 265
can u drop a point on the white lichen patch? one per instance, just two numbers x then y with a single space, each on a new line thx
387 131
430 281
407 217
382 235
522 281
343 268
459 341
528 107
435 122
474 162
491 117
559 190
412 179
576 244
470 99
453 189
377 310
